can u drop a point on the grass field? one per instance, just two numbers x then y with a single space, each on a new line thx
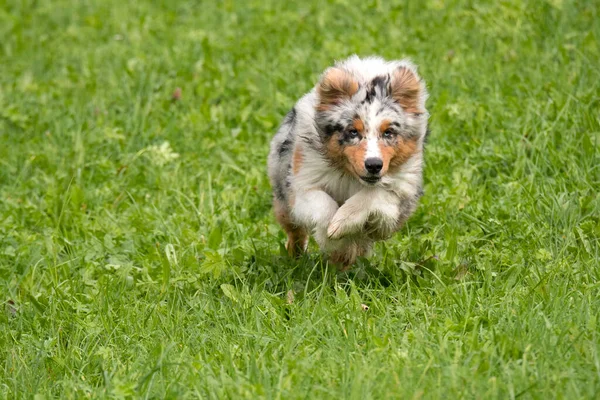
139 256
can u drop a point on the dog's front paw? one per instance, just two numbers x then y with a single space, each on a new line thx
338 227
346 221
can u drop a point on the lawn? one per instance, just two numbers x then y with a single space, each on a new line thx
139 257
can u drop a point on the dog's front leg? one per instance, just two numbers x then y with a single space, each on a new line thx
314 209
370 205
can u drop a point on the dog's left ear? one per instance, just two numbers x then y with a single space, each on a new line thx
408 90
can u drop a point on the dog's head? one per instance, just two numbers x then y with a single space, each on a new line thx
371 116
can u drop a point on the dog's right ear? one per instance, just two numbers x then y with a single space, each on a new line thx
408 89
336 85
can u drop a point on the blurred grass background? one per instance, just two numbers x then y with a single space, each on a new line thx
139 256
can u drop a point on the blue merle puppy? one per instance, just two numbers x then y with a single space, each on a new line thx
347 162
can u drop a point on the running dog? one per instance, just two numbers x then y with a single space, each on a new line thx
346 164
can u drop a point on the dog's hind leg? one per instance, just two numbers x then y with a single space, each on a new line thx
297 236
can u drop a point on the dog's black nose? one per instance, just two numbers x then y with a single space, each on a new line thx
373 165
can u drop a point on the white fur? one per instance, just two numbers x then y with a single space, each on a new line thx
373 150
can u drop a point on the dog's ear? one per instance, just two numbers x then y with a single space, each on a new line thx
408 90
335 86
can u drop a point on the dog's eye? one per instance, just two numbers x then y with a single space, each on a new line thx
353 133
388 134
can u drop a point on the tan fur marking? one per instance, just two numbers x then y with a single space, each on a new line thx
351 158
358 125
355 158
334 150
395 156
297 160
336 85
406 90
387 154
385 124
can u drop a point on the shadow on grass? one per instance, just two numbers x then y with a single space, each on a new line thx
279 273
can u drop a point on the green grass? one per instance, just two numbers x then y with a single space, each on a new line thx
129 271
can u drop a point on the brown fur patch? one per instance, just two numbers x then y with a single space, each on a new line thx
297 160
406 90
351 158
335 150
358 125
297 236
395 156
355 158
335 86
385 124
